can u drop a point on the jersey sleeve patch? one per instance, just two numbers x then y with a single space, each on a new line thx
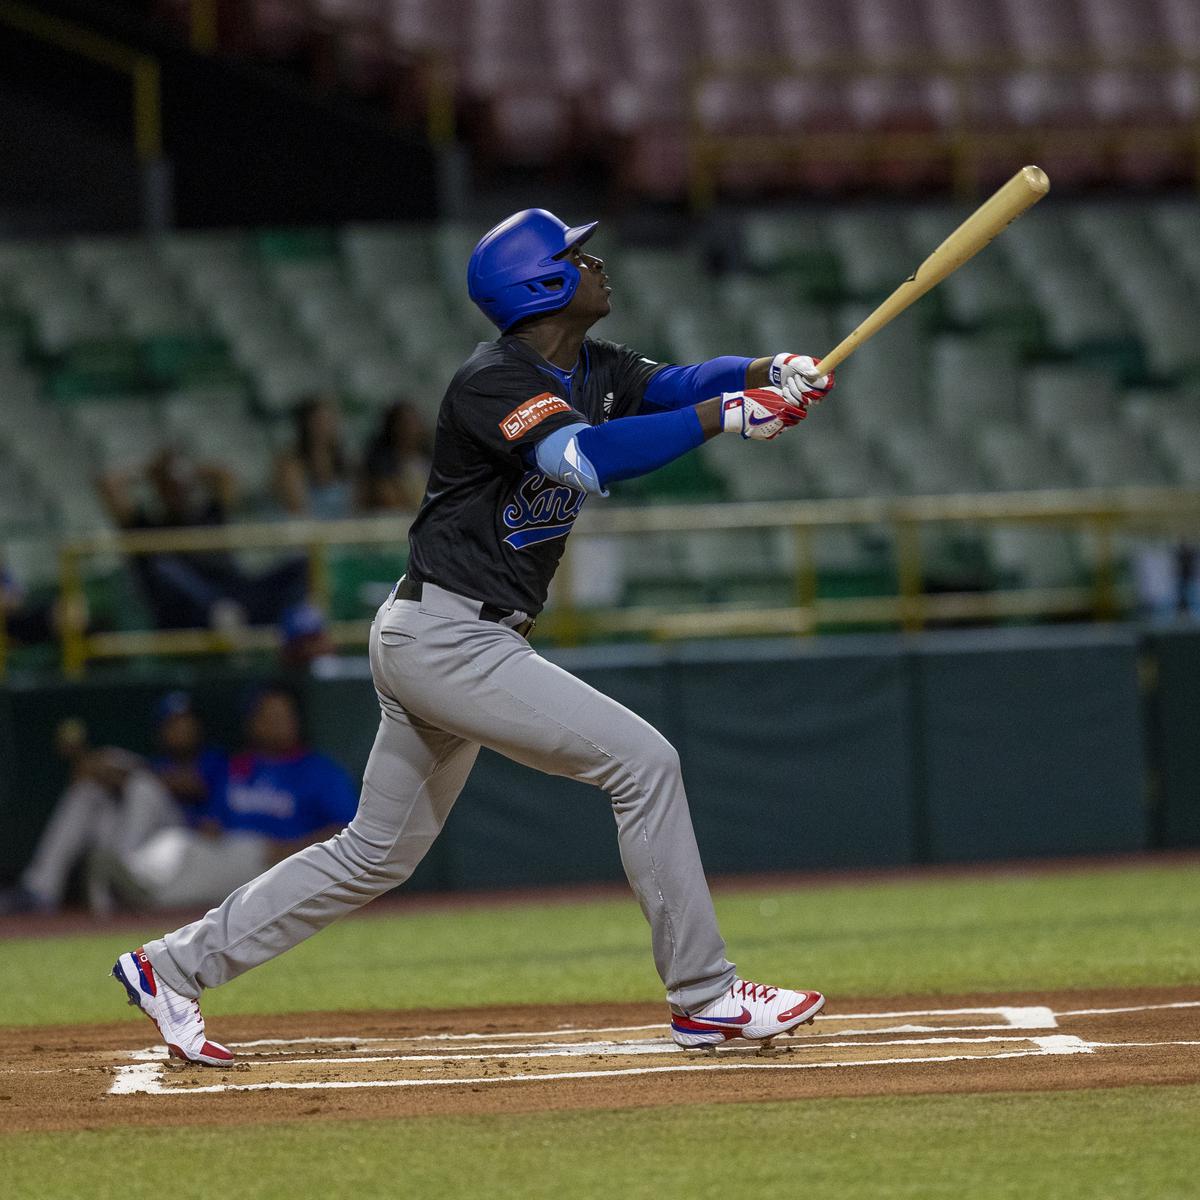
531 413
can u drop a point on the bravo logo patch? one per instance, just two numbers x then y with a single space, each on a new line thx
541 510
531 413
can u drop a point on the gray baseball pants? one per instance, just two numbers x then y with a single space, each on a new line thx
448 683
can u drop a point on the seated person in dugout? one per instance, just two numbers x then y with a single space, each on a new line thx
115 801
279 797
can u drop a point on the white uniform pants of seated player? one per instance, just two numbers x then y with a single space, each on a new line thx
91 824
447 684
180 867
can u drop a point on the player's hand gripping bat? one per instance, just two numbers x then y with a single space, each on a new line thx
1022 191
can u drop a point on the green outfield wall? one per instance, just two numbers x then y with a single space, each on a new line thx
855 751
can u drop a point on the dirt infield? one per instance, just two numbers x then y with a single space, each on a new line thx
347 1065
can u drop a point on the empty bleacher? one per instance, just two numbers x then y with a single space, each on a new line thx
537 81
1046 363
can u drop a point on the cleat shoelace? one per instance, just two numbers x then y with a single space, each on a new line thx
749 990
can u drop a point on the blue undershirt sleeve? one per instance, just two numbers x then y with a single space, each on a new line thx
636 446
590 457
682 387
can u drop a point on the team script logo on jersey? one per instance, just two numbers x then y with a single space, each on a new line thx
531 413
541 510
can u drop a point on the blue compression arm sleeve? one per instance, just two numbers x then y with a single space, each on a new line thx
682 387
590 457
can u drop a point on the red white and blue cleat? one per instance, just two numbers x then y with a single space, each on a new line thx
177 1018
753 1011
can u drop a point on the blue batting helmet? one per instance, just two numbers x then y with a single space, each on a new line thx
518 270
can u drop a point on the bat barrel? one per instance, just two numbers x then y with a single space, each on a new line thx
1022 191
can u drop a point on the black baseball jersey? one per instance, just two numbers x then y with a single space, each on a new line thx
491 525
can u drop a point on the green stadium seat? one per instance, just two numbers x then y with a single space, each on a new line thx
376 379
1175 434
653 570
887 379
834 463
245 308
983 294
22 507
185 252
1177 227
1015 459
1036 557
654 280
217 286
186 412
153 316
282 382
32 560
696 332
381 257
125 431
344 341
741 565
21 258
1106 456
418 319
243 447
873 250
66 321
452 246
803 329
794 245
626 328
253 346
973 381
928 461
769 475
1144 272
1062 397
188 360
292 245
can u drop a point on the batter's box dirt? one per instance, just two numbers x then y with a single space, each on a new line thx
524 1059
852 1040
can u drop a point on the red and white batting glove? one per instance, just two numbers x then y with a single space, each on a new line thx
759 413
796 376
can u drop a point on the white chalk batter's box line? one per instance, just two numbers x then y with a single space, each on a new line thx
146 1075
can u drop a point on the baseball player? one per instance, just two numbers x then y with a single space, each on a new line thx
532 424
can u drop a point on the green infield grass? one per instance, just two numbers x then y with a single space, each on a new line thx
1141 1143
1118 926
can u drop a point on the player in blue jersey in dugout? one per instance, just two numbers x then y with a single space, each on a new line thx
532 425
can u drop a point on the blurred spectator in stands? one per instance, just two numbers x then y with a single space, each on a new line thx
396 465
280 797
1166 577
307 642
114 803
195 589
28 622
315 478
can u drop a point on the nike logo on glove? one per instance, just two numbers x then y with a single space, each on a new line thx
762 420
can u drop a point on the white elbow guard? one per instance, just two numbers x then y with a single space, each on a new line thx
560 457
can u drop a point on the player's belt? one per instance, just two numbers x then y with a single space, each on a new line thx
411 589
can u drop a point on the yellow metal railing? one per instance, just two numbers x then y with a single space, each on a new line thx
1104 513
142 70
961 144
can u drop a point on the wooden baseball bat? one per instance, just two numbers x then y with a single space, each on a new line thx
1022 191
